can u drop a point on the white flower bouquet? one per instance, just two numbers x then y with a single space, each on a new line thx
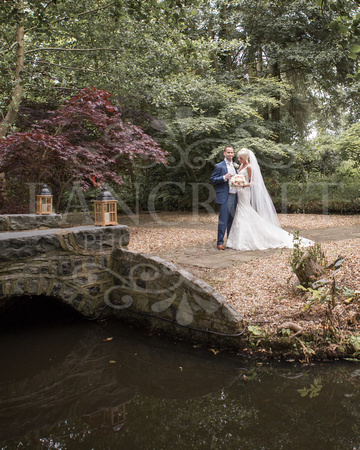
238 181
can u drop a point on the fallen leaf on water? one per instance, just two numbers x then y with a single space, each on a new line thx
214 351
108 339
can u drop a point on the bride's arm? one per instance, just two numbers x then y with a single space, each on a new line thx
248 168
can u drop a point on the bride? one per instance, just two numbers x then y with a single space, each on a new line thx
256 225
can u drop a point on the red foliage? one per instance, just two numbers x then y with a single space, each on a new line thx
83 139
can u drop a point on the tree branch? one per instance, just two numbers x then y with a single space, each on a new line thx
95 9
13 45
60 88
71 49
76 16
40 61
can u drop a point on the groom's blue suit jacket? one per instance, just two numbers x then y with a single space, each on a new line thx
221 186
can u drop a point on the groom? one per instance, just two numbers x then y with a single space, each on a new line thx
225 195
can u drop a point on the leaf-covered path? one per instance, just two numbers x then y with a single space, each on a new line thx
261 285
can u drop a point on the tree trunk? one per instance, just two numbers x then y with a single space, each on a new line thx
259 62
276 113
213 53
308 270
10 117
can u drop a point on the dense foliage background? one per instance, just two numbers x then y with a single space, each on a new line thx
278 76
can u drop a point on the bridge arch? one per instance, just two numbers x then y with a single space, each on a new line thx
90 269
36 310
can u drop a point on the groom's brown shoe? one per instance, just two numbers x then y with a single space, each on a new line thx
220 247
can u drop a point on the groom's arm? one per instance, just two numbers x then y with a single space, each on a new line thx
217 176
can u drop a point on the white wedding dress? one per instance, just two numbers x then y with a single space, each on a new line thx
250 231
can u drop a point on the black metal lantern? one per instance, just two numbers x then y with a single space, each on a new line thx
44 201
105 209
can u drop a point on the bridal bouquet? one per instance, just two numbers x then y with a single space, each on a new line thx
237 181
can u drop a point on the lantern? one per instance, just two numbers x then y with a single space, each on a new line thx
44 201
105 209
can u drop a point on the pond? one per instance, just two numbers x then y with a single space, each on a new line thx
69 384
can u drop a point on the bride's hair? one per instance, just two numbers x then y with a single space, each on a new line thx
244 153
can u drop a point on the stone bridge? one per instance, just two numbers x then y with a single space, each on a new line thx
91 269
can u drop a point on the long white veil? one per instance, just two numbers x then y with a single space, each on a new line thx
260 198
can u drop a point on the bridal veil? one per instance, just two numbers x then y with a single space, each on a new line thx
259 196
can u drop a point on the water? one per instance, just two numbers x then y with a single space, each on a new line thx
76 385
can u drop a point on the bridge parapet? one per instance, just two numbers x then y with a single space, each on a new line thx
22 222
70 264
153 290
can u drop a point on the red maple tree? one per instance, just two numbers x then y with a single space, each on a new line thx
83 140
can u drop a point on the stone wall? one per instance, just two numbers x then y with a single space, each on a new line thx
152 290
21 222
90 269
72 264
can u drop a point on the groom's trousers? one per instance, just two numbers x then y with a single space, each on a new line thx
226 217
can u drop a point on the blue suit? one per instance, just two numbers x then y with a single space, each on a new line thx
226 201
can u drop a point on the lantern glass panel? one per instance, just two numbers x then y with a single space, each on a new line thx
43 204
105 213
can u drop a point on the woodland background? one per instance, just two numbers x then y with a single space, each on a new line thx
144 96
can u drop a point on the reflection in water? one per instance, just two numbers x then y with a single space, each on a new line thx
83 385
